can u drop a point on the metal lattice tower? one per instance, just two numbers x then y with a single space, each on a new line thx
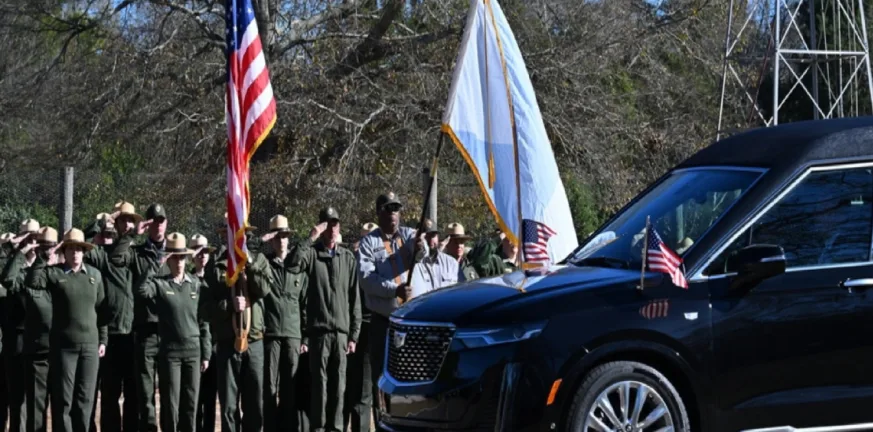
817 49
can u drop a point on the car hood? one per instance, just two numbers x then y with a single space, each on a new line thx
459 302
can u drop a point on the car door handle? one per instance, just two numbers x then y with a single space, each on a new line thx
857 284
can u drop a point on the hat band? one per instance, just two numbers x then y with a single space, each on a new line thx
175 250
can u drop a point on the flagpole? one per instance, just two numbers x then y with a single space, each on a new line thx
645 254
424 207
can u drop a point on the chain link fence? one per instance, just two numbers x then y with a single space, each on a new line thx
195 201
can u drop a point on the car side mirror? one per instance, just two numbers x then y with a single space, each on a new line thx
756 263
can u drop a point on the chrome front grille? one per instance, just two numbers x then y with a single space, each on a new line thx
416 352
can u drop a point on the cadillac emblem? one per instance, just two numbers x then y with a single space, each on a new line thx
399 339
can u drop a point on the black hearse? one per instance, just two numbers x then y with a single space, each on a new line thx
774 332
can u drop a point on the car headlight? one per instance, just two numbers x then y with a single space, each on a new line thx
483 337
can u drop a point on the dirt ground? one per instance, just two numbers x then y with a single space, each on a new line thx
158 410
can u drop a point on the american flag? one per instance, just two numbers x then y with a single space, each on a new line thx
660 258
251 114
535 238
655 309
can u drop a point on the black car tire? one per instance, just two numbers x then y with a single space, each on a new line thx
607 374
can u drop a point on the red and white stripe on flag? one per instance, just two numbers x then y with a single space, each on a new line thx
655 309
251 113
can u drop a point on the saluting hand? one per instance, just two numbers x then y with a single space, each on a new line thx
101 350
268 236
17 240
143 226
317 230
28 247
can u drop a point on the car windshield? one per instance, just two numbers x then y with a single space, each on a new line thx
681 209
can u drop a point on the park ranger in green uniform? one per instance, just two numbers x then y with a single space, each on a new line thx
6 250
76 341
240 375
185 345
208 393
333 319
360 389
284 305
117 368
37 325
14 330
140 260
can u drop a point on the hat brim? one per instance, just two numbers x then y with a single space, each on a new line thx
207 249
84 245
280 230
185 252
392 202
460 237
136 218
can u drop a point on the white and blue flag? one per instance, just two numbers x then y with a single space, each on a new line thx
493 118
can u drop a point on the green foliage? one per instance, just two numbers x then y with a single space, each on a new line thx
583 206
12 213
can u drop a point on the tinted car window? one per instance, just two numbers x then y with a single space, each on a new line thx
682 208
825 220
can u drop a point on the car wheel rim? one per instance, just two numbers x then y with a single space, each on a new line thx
628 406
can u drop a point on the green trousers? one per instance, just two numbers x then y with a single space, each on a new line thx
73 381
117 378
327 363
15 385
37 379
241 385
179 386
281 356
147 342
359 385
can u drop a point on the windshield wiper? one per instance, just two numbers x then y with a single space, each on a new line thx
602 262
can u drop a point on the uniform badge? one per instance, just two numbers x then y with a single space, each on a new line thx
92 281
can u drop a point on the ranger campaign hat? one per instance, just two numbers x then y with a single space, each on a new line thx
125 208
75 237
367 228
28 226
6 237
47 236
386 199
176 245
327 215
156 211
456 231
279 224
198 241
